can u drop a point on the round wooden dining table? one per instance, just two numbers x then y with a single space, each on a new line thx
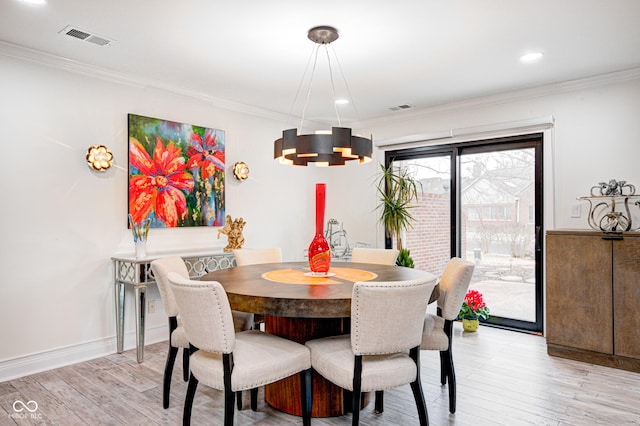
301 306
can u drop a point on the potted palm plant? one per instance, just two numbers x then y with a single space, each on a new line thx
397 193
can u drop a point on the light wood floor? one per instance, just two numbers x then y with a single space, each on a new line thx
504 378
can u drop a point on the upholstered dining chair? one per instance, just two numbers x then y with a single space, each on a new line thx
177 338
229 361
374 255
438 329
256 256
379 257
383 349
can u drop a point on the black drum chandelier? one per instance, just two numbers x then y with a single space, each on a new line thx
325 148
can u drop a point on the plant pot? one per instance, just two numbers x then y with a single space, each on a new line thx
470 325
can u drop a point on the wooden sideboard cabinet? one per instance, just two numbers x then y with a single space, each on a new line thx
593 297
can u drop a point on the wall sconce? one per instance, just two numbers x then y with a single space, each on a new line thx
99 158
240 170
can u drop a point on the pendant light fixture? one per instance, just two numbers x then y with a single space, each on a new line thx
332 148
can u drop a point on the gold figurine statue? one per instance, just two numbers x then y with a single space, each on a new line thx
233 230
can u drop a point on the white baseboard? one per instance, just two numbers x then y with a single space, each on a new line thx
61 357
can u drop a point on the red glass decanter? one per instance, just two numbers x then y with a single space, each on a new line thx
319 250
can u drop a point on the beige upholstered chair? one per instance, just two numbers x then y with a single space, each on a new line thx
382 351
177 338
437 333
256 256
377 256
229 361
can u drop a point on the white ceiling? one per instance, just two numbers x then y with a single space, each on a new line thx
418 52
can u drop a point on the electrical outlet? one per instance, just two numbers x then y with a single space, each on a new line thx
151 306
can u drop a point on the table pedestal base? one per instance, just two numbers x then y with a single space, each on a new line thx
328 399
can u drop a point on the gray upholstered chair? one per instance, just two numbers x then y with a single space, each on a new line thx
177 338
374 255
229 361
383 350
437 333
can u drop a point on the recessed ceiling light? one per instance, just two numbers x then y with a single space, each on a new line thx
36 2
342 101
531 57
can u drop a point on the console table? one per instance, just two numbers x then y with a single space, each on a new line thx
137 273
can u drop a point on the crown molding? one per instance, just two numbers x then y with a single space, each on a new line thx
53 61
58 62
508 97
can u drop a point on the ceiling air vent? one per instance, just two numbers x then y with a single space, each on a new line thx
401 107
100 41
85 35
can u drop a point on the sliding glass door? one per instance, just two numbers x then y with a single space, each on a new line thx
482 201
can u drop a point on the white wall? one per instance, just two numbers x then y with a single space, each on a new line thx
596 137
61 222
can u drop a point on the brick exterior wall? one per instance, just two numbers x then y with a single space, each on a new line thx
429 240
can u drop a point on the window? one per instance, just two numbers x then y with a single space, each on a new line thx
473 214
504 213
532 216
489 213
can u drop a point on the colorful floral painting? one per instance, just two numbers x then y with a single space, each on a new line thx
176 173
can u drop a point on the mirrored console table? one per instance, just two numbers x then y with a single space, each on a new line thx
137 273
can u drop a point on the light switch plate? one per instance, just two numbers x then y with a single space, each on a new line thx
576 210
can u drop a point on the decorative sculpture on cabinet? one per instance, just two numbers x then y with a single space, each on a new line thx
609 209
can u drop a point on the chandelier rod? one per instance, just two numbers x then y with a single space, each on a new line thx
346 84
304 74
333 86
313 72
